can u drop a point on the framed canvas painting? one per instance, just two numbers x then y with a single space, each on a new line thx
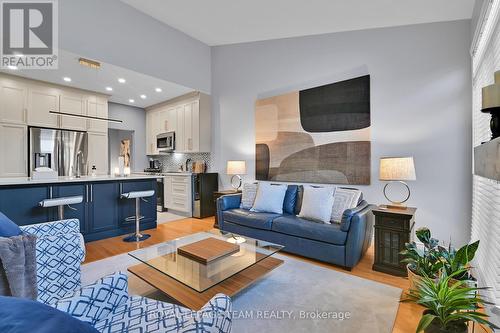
317 135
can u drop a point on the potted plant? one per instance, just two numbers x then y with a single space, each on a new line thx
448 306
422 261
454 261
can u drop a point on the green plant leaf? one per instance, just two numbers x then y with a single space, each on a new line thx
425 321
471 251
423 235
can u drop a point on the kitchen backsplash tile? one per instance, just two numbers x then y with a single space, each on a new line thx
171 162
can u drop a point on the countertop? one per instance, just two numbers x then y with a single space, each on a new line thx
173 173
103 178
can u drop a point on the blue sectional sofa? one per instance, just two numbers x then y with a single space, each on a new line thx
341 244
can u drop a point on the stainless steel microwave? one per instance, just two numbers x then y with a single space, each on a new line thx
165 142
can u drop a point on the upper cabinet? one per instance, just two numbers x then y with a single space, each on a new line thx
188 116
42 100
29 102
72 103
13 101
97 107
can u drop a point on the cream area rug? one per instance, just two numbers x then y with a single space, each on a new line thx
295 297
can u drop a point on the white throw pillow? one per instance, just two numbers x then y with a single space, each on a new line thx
343 199
269 198
248 195
317 203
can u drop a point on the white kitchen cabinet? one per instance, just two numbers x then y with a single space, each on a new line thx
13 149
178 193
150 143
153 128
13 101
41 100
98 153
171 119
180 138
192 127
189 117
97 107
188 127
73 104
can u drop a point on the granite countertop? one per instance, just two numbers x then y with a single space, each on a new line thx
102 178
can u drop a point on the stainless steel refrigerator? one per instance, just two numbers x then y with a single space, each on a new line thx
61 150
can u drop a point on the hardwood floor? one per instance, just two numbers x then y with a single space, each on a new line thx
408 314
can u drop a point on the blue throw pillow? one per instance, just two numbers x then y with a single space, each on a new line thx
7 227
290 199
23 315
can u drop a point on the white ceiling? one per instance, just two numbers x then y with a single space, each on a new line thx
107 76
218 22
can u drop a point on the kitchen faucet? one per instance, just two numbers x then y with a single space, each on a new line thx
78 158
187 162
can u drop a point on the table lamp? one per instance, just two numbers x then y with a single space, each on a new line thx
236 168
397 169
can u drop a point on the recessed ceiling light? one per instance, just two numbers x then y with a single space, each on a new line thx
158 89
131 100
109 89
122 80
67 79
12 67
143 96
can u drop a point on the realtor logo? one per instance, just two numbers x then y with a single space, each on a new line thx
29 34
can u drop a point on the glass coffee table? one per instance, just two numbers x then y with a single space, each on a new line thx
192 283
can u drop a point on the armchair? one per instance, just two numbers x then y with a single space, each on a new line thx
60 250
106 304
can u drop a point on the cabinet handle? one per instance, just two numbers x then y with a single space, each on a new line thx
50 192
91 193
121 189
87 193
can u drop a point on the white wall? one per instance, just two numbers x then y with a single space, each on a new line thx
113 32
420 98
134 119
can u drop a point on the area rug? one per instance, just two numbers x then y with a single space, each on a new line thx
295 297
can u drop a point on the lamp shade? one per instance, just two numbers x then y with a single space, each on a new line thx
491 95
397 168
236 168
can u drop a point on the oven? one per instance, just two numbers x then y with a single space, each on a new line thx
165 142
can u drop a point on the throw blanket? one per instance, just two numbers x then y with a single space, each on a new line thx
18 266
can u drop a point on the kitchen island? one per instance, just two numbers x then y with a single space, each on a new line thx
102 213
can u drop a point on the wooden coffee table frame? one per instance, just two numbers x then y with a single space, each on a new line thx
195 300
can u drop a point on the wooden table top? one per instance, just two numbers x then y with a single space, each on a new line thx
195 300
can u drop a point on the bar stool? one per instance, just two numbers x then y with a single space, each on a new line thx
137 195
60 203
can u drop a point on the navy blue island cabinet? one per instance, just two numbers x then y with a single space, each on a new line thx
102 214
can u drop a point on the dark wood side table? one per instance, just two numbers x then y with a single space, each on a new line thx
217 195
393 228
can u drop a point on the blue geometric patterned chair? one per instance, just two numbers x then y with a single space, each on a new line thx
60 250
106 304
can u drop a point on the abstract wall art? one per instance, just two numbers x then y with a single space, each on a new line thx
317 135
